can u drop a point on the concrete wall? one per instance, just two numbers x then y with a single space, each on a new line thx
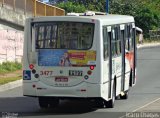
11 34
11 47
12 21
10 16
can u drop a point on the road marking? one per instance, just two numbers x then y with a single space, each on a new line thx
146 105
141 107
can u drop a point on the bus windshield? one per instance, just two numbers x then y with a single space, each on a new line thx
63 35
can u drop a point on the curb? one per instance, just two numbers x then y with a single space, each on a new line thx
18 83
10 85
140 46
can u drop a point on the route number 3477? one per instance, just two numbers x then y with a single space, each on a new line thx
46 73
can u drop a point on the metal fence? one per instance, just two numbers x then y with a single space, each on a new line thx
154 34
34 7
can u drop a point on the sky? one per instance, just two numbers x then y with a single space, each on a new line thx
45 0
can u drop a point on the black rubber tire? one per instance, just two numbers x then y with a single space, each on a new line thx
125 96
131 79
43 103
99 103
110 103
53 102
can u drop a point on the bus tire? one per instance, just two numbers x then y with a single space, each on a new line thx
110 103
43 102
130 79
53 102
99 103
125 96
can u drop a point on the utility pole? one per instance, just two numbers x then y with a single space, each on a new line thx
107 6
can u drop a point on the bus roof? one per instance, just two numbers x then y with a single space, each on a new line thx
105 19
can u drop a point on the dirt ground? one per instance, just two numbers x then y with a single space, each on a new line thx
11 74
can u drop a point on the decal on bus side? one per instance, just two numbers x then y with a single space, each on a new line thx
61 84
47 73
75 73
66 57
26 75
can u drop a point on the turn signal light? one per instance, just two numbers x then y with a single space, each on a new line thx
89 72
31 66
91 67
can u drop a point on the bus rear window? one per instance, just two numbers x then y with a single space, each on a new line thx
63 35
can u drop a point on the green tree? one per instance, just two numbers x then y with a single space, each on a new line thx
147 20
93 5
146 12
145 17
72 7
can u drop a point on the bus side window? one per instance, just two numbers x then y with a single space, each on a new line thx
105 43
117 40
126 38
132 36
113 43
129 37
123 38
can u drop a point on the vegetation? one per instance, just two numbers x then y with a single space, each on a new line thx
146 12
7 73
72 7
10 67
9 79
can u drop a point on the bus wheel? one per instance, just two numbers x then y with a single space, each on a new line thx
99 103
43 102
125 96
53 102
110 103
131 79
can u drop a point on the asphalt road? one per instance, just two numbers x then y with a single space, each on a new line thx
146 90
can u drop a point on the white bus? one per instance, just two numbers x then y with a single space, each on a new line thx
79 57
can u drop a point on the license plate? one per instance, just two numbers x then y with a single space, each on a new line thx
75 73
61 79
